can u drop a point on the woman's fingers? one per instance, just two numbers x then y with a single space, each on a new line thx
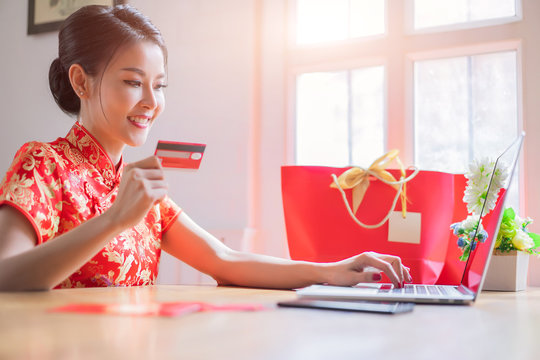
367 267
150 174
158 184
374 261
149 168
396 263
408 274
143 185
158 190
368 276
151 162
397 266
390 265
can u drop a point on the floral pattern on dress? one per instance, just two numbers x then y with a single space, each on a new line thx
62 184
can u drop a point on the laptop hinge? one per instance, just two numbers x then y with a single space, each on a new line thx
464 290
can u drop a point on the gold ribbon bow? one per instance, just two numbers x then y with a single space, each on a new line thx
357 179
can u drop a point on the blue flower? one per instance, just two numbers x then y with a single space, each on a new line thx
458 230
482 235
473 245
461 242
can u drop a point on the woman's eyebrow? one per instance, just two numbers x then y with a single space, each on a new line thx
140 72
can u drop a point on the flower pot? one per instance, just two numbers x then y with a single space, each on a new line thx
507 271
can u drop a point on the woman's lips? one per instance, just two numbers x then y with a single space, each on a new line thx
142 122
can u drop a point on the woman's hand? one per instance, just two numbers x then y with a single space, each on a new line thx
363 268
143 185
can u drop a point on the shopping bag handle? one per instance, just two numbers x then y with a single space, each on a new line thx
357 178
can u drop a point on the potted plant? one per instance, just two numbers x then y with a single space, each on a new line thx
510 260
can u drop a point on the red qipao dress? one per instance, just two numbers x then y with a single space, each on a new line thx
59 185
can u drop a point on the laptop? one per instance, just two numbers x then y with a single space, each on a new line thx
475 267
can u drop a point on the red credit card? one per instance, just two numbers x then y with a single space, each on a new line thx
180 155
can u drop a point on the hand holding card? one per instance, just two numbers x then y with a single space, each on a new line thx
180 155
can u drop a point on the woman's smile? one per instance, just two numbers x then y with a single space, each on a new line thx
139 121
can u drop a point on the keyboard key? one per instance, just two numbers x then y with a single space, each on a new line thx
433 290
420 289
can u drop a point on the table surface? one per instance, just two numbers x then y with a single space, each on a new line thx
497 326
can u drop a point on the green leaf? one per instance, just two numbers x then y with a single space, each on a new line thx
536 239
465 254
509 213
507 230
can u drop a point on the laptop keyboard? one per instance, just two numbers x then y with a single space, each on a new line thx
415 289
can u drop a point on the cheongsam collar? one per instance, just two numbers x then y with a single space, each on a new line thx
92 151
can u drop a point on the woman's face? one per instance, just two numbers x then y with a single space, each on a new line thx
128 98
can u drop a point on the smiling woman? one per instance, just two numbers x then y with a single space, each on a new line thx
73 214
116 93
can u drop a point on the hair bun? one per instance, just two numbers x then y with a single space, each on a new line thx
61 89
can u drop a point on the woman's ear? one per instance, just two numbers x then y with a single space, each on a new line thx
79 80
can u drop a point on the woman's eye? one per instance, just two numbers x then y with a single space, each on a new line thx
160 86
135 83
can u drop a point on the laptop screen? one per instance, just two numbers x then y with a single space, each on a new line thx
476 265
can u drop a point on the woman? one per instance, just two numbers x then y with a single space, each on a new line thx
73 214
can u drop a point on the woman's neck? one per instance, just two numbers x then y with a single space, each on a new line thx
113 148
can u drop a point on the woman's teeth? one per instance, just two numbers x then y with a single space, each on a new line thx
139 120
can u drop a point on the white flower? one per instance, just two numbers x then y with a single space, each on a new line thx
522 240
470 223
479 176
522 223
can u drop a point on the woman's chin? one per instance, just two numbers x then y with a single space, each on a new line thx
136 142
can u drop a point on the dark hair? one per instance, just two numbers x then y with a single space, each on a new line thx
90 37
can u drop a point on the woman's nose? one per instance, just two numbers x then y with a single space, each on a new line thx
149 100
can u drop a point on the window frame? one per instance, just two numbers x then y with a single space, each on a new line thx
409 21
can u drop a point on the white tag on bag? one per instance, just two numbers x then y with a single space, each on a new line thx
404 230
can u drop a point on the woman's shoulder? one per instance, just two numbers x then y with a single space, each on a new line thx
44 149
35 154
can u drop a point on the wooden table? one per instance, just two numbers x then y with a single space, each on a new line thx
497 326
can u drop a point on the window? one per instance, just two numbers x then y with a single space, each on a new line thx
442 98
331 20
464 107
339 118
433 13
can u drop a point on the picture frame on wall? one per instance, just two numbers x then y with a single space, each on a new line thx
47 15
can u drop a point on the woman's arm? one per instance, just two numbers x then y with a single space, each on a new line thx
24 266
193 245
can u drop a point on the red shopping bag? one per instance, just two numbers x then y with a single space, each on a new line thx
319 227
453 267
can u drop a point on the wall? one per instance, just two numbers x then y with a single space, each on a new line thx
273 127
28 110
